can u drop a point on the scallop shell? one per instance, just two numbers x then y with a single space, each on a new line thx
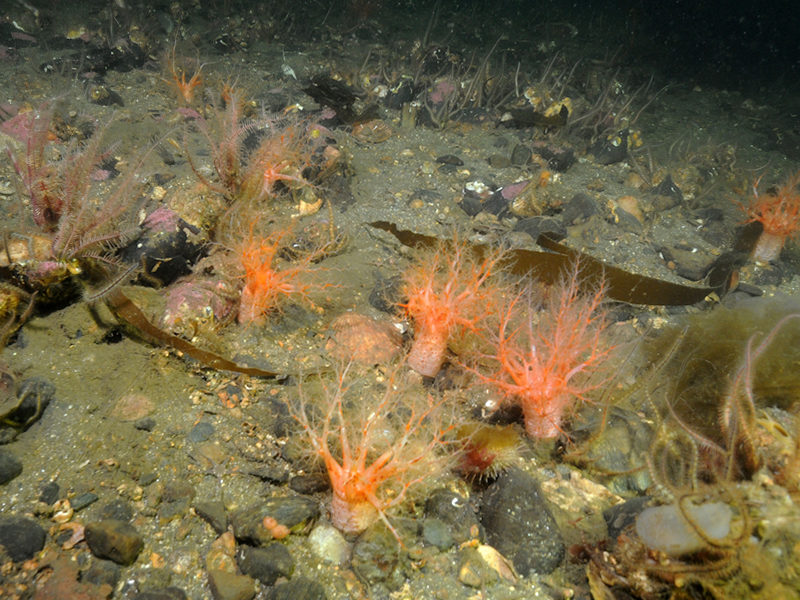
374 131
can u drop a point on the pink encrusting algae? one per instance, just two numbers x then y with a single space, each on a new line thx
447 289
373 457
545 359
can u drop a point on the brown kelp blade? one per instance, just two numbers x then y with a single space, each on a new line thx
625 286
124 309
550 266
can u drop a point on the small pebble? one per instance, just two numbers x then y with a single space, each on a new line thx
101 572
178 490
169 593
230 586
376 555
309 483
159 193
299 588
10 466
498 161
455 511
116 509
83 500
146 424
436 532
201 432
214 513
450 159
521 155
473 570
266 564
362 339
329 544
50 493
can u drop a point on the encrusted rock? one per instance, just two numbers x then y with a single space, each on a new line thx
65 582
362 339
376 555
473 570
293 512
222 554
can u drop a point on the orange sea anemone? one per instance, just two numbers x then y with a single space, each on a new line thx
448 289
375 445
779 214
548 355
266 282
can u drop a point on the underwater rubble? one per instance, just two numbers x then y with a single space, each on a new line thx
351 300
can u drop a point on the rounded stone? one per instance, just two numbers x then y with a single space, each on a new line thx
519 524
21 537
114 540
